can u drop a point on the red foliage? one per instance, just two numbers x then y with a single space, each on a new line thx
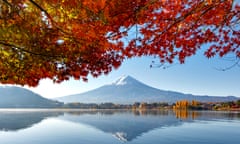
60 39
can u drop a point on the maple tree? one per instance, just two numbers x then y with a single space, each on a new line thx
60 39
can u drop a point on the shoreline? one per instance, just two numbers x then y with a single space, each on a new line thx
79 109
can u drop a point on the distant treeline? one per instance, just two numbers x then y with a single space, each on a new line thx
196 105
136 105
183 104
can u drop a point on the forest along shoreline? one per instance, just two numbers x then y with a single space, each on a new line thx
178 105
183 104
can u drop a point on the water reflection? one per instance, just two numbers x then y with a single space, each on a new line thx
206 115
128 125
16 120
123 125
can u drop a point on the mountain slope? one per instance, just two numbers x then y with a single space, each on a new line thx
129 90
16 97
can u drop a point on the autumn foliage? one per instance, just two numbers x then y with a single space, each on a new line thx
185 104
60 39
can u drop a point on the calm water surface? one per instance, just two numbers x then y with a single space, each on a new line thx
117 127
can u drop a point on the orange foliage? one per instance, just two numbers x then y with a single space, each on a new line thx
185 114
60 39
183 104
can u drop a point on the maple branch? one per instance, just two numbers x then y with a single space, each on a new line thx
182 18
42 10
7 2
30 52
39 7
236 63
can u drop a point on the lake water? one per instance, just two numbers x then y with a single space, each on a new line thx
118 127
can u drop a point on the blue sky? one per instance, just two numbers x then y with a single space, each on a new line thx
198 75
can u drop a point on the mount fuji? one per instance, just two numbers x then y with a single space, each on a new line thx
127 90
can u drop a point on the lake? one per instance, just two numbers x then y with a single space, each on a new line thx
118 127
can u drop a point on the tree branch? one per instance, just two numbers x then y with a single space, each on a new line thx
43 10
30 52
236 63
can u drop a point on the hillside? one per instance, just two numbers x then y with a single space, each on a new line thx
128 90
16 97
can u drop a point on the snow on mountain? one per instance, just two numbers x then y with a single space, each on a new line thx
127 89
126 80
121 81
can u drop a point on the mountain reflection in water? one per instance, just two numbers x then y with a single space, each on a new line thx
17 120
128 125
123 125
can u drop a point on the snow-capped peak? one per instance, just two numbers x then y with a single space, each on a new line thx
121 136
126 80
121 81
